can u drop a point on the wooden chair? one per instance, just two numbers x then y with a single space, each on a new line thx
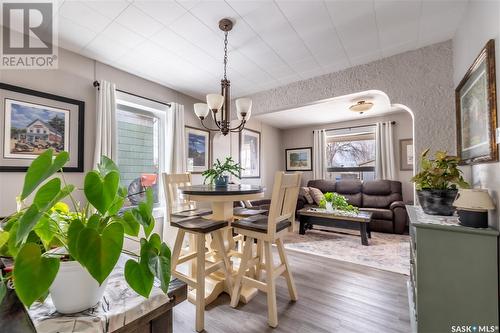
199 228
181 207
268 230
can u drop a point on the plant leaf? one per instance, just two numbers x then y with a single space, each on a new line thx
47 193
106 166
130 224
4 237
100 252
42 168
99 191
138 277
73 233
162 267
33 274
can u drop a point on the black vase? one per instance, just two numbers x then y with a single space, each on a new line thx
437 202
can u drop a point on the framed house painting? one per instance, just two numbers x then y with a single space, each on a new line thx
406 154
475 99
250 153
34 122
298 159
197 150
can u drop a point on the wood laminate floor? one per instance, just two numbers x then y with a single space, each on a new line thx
334 296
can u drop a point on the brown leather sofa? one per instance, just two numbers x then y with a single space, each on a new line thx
381 197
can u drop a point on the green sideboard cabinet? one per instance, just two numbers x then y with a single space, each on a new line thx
453 285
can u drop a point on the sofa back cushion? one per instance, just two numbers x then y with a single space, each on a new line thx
323 185
381 193
351 189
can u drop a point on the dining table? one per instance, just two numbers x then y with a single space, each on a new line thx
222 200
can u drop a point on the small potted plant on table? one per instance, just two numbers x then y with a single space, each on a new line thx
437 183
71 253
219 173
334 201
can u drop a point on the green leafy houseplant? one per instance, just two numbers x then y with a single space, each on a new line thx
91 234
437 182
338 202
220 170
442 173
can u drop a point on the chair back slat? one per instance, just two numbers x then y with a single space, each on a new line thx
175 201
283 200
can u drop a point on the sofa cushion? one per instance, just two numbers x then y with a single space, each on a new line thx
377 187
323 185
377 201
305 192
379 214
316 194
354 199
348 186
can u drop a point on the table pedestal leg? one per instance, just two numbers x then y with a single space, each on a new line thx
214 283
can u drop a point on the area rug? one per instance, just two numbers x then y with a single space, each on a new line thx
385 251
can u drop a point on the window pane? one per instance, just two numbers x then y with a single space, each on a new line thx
351 153
138 153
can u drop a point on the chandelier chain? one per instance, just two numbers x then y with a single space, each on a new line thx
225 55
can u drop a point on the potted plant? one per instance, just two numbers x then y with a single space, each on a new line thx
219 173
437 183
336 201
70 253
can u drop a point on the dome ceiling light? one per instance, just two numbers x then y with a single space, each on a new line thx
361 107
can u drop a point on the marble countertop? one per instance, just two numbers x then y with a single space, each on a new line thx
119 306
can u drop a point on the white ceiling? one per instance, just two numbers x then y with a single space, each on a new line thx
333 110
178 43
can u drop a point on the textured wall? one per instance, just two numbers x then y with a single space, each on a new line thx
420 79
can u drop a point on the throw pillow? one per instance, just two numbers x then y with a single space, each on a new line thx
316 194
304 191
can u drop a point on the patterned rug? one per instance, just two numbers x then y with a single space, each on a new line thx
385 251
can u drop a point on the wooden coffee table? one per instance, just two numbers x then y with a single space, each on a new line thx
311 216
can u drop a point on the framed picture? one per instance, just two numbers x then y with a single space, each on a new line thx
298 159
35 121
406 154
476 113
197 150
250 153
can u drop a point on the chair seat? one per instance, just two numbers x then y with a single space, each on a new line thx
245 212
199 224
193 212
259 223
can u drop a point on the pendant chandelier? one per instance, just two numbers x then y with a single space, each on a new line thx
220 104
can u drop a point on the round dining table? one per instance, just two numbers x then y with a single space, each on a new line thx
222 201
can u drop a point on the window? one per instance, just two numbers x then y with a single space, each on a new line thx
350 153
140 153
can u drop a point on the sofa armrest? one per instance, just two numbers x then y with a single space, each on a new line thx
397 204
301 202
400 216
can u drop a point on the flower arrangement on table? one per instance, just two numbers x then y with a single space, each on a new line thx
334 201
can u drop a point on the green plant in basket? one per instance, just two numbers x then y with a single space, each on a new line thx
338 202
219 171
45 234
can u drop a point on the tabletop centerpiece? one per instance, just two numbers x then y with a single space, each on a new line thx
333 201
437 182
218 174
70 253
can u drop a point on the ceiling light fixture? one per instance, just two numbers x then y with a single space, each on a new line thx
220 104
361 107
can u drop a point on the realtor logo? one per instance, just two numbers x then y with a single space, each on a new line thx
28 35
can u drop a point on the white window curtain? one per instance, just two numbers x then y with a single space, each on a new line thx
106 136
175 145
385 161
319 154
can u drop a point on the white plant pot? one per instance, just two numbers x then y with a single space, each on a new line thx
74 289
329 207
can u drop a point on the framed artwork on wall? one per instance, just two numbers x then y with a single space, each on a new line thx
406 157
475 99
250 153
197 149
34 122
298 159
